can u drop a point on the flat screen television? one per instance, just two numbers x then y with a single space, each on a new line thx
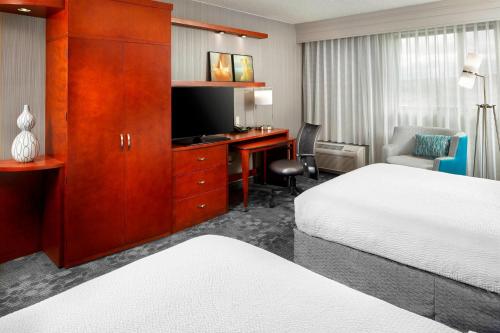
198 113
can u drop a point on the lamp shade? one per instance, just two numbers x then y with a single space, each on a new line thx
467 80
473 62
263 97
471 67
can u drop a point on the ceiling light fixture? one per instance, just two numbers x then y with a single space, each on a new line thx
243 36
23 10
221 32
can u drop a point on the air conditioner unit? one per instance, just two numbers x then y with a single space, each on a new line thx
339 157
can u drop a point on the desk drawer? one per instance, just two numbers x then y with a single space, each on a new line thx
187 161
198 182
197 209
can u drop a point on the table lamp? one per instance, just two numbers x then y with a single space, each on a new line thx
264 97
467 80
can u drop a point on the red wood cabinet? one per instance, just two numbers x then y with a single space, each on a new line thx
149 156
108 118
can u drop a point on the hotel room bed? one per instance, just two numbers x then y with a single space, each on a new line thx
214 284
426 241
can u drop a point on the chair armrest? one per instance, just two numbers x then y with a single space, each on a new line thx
391 149
448 164
440 161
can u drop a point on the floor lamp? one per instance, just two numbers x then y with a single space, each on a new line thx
467 80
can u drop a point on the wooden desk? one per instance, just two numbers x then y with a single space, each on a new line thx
201 177
248 148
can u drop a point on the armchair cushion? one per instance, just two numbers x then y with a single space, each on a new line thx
432 146
411 161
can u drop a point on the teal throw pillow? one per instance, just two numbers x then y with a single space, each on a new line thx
432 146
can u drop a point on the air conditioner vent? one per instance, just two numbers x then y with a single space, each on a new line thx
340 158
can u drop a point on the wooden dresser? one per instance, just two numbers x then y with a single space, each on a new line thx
200 176
200 184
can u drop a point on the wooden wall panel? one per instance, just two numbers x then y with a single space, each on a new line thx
56 126
94 20
21 198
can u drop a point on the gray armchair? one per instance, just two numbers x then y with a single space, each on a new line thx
401 147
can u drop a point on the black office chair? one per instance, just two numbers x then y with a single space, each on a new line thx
305 164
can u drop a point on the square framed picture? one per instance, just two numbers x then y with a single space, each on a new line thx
221 67
243 68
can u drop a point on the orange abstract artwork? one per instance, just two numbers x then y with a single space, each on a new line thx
221 67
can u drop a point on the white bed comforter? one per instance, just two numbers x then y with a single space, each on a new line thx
441 223
214 284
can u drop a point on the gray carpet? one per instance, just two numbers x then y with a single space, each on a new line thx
30 279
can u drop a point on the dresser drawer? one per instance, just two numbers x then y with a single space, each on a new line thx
194 210
198 182
187 161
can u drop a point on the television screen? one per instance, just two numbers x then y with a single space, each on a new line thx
198 111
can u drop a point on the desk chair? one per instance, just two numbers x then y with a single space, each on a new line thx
305 164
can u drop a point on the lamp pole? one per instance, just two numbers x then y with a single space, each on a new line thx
482 114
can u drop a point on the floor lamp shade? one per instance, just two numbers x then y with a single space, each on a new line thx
471 68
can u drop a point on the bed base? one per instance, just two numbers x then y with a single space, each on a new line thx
452 303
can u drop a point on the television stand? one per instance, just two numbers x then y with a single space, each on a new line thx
199 140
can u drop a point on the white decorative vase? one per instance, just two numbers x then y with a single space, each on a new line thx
26 146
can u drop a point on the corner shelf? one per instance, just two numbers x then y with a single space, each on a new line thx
218 28
39 8
41 163
218 84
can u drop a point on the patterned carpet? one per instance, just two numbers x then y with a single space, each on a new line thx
30 279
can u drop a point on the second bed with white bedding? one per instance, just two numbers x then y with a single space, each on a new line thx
214 284
441 223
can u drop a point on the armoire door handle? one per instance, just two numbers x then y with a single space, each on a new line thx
129 141
122 141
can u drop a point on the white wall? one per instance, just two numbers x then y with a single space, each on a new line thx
435 14
277 60
22 75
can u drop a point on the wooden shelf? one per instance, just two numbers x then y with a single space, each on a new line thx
39 8
41 163
218 84
218 28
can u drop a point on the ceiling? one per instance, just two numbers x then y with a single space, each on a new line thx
300 11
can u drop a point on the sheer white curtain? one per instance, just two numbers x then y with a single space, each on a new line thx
360 88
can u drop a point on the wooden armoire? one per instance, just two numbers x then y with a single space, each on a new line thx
108 118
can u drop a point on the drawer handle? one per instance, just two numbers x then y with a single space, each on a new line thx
202 206
201 159
201 182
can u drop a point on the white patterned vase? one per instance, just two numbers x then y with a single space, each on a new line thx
26 146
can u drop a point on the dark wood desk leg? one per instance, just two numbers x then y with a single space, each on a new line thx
245 166
265 166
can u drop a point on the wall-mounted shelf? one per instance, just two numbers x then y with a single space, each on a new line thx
218 84
39 8
41 163
218 28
